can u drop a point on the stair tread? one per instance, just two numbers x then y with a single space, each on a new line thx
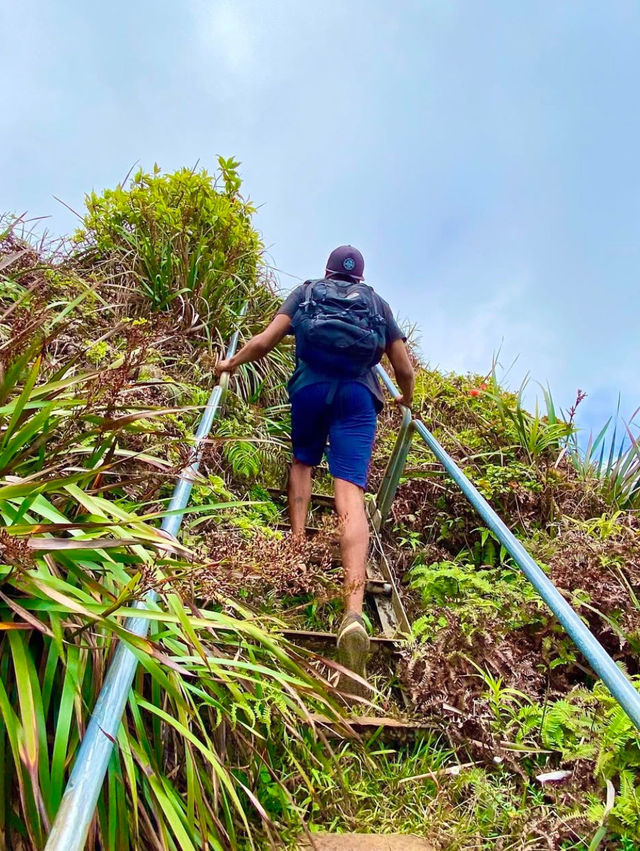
318 498
286 527
330 637
374 721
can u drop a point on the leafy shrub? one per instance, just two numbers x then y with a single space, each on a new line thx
495 481
181 239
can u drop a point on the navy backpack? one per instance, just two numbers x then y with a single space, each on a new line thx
339 327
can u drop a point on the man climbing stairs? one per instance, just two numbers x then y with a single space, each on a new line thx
380 596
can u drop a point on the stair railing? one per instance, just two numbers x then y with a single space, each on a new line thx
73 819
612 676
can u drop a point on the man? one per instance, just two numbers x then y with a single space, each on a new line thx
335 394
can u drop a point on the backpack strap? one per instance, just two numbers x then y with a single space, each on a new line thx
304 305
308 294
376 301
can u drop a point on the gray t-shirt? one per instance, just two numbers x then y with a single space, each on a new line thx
304 375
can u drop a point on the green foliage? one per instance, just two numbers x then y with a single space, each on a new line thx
602 528
442 582
188 687
409 538
80 449
497 481
488 550
183 237
253 443
72 563
427 789
473 594
620 744
244 458
567 727
616 471
97 352
591 726
503 700
538 435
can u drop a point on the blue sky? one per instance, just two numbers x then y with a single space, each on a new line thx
483 155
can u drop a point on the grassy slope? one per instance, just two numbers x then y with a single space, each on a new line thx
501 685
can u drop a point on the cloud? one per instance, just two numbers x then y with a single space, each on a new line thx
498 325
226 36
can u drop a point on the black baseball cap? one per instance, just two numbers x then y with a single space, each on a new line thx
346 260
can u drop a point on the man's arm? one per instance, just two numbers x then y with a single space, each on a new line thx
399 356
258 346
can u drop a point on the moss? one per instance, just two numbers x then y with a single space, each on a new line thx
96 352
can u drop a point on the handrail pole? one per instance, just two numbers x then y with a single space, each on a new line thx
73 819
615 680
395 466
397 459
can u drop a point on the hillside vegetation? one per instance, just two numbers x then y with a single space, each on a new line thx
107 348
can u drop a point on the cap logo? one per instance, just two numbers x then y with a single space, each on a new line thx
349 264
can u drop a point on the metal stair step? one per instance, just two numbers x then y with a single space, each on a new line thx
316 498
286 527
306 636
371 723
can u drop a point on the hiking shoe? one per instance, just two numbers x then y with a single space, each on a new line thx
353 644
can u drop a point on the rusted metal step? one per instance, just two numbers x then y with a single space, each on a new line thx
391 612
316 498
305 636
379 586
286 527
371 723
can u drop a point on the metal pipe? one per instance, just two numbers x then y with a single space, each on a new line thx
73 819
395 466
615 680
397 459
387 381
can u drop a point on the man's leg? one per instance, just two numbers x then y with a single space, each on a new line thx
352 431
352 639
354 542
299 495
309 428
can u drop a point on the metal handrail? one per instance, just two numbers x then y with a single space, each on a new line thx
73 819
615 680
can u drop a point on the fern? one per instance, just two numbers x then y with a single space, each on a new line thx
527 720
422 626
627 806
244 458
447 580
620 746
566 727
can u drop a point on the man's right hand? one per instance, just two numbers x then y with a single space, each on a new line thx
400 400
401 363
224 366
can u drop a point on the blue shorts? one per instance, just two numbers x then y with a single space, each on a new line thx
348 420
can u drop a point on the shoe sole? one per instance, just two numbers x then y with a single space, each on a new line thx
353 648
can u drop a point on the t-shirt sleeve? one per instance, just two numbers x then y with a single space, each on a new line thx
393 331
292 302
